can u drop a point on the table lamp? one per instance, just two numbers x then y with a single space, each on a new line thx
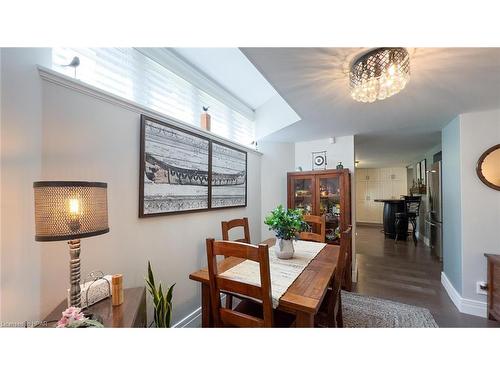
70 210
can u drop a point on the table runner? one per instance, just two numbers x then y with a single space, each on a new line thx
283 271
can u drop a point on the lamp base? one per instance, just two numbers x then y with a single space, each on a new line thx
74 273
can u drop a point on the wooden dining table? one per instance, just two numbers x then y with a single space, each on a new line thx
303 298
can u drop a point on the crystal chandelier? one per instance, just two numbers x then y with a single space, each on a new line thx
379 73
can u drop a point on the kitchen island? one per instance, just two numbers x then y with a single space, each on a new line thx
391 207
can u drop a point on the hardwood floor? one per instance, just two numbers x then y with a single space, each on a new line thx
406 273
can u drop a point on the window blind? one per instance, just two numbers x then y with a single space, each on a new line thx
128 73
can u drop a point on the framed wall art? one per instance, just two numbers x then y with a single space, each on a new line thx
228 176
174 169
318 160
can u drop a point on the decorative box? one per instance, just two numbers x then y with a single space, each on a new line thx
94 290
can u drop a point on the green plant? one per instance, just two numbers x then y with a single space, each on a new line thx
88 323
162 303
287 224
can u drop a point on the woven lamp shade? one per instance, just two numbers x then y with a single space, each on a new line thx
67 210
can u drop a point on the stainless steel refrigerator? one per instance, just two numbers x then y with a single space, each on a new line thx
433 217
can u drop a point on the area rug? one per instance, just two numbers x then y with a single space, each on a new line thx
369 312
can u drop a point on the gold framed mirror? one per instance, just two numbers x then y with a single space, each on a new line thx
488 167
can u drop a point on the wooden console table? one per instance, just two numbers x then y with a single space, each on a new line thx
493 286
130 314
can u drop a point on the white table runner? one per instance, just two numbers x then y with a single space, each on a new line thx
283 271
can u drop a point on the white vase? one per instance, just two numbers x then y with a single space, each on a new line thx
284 248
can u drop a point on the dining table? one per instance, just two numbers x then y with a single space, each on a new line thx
304 296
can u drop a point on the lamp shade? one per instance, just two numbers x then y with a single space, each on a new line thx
67 210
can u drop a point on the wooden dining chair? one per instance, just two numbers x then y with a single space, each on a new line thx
330 312
314 222
226 227
235 223
255 309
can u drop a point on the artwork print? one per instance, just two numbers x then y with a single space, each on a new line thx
319 160
174 169
229 176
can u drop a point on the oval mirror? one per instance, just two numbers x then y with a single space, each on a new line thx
488 167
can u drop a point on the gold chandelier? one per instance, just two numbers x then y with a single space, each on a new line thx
379 73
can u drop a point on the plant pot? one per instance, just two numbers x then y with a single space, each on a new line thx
284 248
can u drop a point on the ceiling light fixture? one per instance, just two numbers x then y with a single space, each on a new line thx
379 73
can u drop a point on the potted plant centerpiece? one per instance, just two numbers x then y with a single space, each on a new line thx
286 224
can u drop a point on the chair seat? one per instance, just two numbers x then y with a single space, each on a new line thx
281 319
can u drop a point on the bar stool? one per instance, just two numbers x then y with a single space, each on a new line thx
411 211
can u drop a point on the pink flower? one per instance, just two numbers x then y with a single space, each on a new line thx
70 315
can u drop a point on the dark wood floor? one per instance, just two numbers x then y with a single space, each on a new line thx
407 273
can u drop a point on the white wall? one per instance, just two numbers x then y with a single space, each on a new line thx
88 139
480 204
21 144
471 209
452 208
272 116
342 150
53 132
277 160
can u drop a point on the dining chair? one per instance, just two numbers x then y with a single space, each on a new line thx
255 309
314 222
330 312
226 227
235 223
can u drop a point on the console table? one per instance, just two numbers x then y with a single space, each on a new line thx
493 286
130 314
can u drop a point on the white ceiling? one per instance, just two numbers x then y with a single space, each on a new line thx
444 83
232 70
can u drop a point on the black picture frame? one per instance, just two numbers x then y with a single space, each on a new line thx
215 186
145 173
423 171
178 173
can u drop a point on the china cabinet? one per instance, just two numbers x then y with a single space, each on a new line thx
326 192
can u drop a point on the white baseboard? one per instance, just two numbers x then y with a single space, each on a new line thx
464 305
354 273
192 320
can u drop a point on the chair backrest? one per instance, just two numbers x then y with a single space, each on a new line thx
227 317
345 250
412 204
228 225
319 223
344 253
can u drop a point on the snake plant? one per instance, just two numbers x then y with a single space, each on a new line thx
162 303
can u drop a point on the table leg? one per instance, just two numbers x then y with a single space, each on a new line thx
304 320
206 314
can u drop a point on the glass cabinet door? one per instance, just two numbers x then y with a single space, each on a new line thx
302 194
329 205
